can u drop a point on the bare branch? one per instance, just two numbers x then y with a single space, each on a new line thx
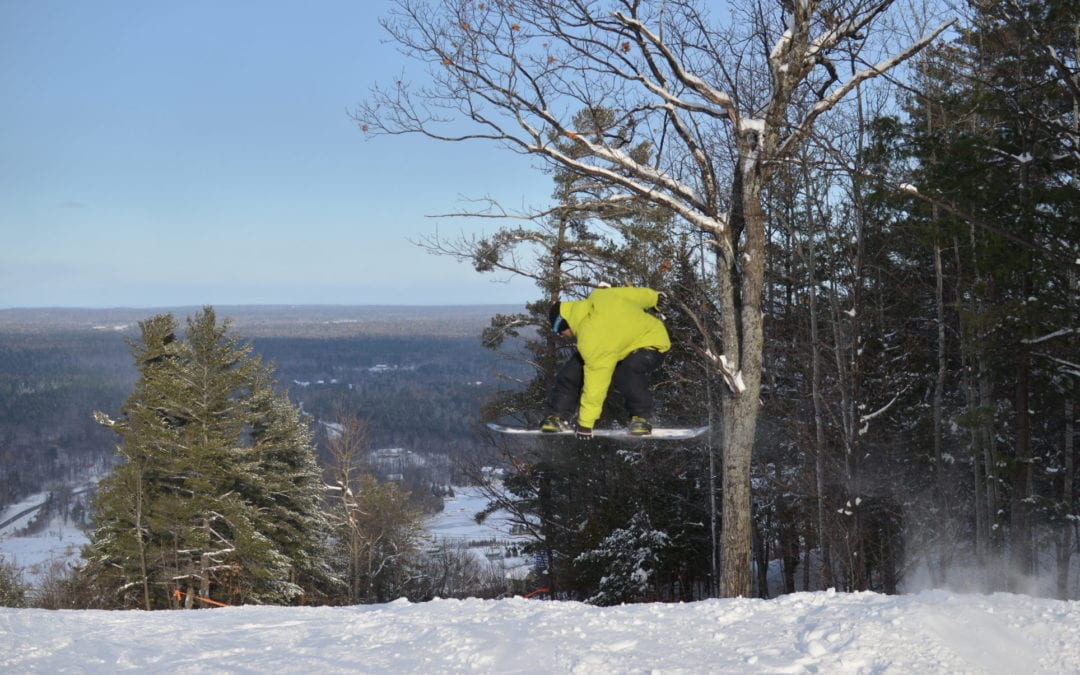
830 101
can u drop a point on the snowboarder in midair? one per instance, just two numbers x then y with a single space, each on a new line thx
618 342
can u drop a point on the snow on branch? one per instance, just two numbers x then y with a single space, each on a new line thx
842 29
865 419
832 99
1064 332
646 188
732 377
1067 367
709 93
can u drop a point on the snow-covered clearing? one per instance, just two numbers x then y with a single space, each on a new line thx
930 632
491 542
59 542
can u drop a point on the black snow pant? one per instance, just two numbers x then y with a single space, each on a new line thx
631 379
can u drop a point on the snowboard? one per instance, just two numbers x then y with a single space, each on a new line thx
658 433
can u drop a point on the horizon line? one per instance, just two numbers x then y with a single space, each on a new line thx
280 305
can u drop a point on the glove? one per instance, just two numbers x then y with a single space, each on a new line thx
583 433
661 304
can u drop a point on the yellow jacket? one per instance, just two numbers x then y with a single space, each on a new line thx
608 325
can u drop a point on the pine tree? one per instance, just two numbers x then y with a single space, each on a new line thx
630 555
124 557
217 497
992 190
12 590
285 485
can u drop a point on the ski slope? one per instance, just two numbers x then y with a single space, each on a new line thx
824 632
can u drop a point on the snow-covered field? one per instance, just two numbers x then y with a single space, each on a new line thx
931 632
59 542
824 632
456 525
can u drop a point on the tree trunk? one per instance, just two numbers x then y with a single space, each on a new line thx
991 463
739 421
204 562
938 571
761 557
742 339
970 380
820 467
1021 549
1068 499
714 561
979 470
140 536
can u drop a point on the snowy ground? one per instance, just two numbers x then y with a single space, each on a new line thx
929 632
456 525
59 542
932 632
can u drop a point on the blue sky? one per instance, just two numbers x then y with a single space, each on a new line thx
158 154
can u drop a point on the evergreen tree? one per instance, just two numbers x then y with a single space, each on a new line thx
286 486
630 555
12 590
991 192
217 498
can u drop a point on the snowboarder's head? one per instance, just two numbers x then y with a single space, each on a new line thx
558 323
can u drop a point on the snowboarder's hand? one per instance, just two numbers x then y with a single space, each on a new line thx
583 433
662 305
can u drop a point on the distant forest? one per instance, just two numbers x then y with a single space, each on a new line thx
415 375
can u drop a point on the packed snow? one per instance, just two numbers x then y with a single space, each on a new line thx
931 632
826 632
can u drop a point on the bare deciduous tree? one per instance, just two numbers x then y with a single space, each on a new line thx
709 98
377 528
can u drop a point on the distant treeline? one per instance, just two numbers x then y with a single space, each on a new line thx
419 393
416 375
271 320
